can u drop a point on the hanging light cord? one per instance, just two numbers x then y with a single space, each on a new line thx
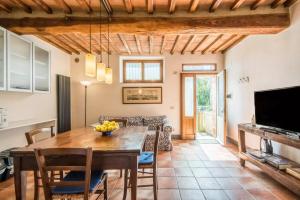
90 29
108 38
100 32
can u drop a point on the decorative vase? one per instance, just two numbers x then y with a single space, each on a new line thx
107 133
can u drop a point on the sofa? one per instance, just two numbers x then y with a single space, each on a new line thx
165 143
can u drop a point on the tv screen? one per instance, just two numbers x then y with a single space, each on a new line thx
279 108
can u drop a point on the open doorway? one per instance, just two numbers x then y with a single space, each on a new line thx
206 106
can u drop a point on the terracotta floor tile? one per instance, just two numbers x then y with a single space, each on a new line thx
183 171
218 172
201 172
229 183
237 172
167 183
169 195
249 183
239 195
208 163
208 184
177 164
196 163
165 172
187 183
165 164
262 194
215 195
191 195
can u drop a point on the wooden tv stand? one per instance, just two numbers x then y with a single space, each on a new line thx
280 176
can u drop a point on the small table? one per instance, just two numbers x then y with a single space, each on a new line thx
119 151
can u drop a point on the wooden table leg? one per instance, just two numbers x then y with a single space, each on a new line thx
20 180
133 177
242 145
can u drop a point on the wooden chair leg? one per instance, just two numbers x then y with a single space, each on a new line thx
125 184
155 184
121 173
36 185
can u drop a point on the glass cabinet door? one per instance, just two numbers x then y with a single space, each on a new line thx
19 63
41 70
2 59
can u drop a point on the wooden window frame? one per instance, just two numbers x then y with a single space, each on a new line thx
143 71
200 71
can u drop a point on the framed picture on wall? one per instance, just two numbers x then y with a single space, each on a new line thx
142 95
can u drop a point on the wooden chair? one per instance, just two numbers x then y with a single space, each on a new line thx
124 124
31 139
147 160
80 182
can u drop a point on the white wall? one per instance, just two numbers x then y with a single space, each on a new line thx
29 106
107 99
271 61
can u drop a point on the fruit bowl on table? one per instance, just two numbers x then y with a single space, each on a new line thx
107 127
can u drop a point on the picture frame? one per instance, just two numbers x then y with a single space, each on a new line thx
142 95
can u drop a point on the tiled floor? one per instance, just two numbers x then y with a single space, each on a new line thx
194 171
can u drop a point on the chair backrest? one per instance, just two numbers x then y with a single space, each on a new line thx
42 155
30 136
120 121
155 149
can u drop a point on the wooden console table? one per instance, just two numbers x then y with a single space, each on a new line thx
280 176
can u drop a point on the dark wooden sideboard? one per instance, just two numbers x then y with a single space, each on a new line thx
280 176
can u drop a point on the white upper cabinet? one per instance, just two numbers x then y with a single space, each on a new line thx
41 70
2 59
19 63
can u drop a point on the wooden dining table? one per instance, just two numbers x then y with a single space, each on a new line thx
119 151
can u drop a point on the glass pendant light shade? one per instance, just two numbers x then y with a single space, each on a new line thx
90 65
108 75
101 71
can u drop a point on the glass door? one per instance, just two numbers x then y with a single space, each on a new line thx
221 107
19 63
2 59
41 70
188 102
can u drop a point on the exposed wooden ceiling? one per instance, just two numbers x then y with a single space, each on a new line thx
146 26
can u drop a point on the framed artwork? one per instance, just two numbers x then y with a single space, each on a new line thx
142 95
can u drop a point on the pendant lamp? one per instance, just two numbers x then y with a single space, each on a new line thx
108 70
100 65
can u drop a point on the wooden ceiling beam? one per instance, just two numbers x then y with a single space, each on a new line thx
211 44
74 42
55 44
25 7
125 44
150 44
189 42
150 6
5 7
289 3
85 4
194 5
241 24
199 44
138 43
256 4
215 4
109 40
43 6
237 4
107 6
64 44
128 6
234 43
175 44
101 46
172 6
86 43
163 44
277 3
67 9
223 44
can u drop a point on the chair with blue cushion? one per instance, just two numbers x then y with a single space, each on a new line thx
147 160
80 181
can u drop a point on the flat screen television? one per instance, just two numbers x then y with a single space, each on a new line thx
279 108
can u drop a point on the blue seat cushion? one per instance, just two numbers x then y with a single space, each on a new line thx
96 179
146 158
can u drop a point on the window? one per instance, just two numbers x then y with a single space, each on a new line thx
142 71
199 67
